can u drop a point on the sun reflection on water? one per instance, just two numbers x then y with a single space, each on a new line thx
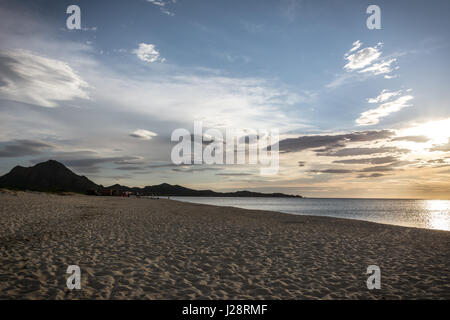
438 212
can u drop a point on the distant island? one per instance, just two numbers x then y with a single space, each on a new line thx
53 176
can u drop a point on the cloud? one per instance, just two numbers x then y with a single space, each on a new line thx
418 139
440 161
235 174
362 58
361 151
130 168
216 100
196 168
441 147
89 162
89 29
377 169
368 60
163 165
148 53
133 161
384 96
21 148
372 116
377 160
362 63
373 175
162 6
356 45
380 68
143 134
384 168
339 171
85 160
34 79
329 142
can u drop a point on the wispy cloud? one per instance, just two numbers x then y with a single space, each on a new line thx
376 160
373 175
362 151
417 139
34 79
163 6
372 116
383 67
442 147
330 142
366 61
362 58
20 148
147 52
356 45
384 96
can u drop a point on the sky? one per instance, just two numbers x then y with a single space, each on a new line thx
360 112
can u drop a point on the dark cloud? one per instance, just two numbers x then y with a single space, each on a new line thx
388 167
332 171
377 160
301 163
437 161
441 147
130 168
233 174
373 175
193 169
90 162
377 169
85 161
20 148
417 139
329 142
361 151
163 165
135 161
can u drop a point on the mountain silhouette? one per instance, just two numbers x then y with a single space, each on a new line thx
52 176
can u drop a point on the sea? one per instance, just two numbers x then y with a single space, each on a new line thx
429 214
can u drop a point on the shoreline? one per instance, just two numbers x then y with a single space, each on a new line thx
324 216
168 249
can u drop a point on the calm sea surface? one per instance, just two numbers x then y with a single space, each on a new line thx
430 214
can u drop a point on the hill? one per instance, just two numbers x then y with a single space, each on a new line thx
52 176
49 176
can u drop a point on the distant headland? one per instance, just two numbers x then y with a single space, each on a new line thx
53 176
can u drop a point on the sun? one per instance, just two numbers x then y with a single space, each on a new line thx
437 131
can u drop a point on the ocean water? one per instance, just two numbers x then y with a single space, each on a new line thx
430 214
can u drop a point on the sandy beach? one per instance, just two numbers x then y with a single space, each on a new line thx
131 248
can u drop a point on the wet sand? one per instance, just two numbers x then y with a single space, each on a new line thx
164 249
